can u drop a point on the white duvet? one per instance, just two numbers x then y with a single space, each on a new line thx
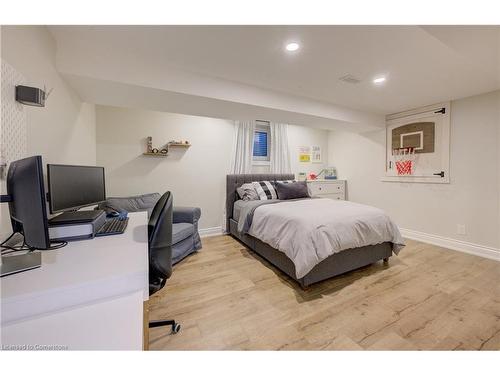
310 230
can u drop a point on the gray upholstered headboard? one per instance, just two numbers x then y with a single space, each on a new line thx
236 180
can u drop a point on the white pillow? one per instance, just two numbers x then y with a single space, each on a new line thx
247 192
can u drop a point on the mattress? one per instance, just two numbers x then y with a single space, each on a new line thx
238 205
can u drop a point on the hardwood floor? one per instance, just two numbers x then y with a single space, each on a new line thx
227 297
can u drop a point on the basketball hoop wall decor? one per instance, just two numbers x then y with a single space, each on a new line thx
404 159
418 145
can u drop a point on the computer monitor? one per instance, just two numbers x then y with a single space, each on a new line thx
28 211
74 186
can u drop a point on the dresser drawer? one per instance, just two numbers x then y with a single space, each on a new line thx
337 196
322 188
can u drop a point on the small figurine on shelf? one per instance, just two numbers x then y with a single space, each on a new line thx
150 144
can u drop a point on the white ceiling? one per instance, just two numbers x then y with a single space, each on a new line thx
423 64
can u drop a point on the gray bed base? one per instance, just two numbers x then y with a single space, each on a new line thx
334 265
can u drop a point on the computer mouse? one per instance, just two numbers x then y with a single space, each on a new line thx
122 215
113 214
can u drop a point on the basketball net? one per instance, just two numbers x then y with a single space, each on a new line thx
404 158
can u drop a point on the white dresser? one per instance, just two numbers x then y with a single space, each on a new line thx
333 189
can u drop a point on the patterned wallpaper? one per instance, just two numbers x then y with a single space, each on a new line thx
13 132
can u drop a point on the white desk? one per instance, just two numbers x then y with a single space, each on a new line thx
87 295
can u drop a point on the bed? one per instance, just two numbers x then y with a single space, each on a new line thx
330 266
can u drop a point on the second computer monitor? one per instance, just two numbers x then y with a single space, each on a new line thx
72 186
28 211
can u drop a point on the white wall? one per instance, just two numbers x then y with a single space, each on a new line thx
64 130
195 176
303 136
472 198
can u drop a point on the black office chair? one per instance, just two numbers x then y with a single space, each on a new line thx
160 251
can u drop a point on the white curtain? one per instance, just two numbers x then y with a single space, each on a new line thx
280 153
241 161
241 158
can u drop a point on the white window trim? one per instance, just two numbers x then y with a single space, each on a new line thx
260 162
263 126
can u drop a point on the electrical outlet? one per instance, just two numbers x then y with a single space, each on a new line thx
461 229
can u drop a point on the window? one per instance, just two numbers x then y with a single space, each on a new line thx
261 143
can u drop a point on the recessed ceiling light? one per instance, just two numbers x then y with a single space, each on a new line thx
379 80
292 47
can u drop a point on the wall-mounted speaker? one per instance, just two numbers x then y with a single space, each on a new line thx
30 96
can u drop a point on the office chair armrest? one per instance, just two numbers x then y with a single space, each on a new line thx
186 214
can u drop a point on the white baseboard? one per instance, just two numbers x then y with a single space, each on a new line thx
208 232
450 243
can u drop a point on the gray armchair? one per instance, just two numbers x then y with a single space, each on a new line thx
185 237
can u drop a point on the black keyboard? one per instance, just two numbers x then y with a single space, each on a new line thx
112 226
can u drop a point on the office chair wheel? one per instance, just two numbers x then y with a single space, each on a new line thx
176 328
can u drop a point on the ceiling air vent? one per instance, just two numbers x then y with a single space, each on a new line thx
349 78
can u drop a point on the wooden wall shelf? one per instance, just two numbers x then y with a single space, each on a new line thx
166 147
155 154
185 145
